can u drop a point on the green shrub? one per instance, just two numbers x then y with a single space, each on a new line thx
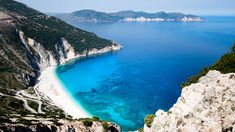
105 125
226 64
95 118
141 130
34 105
87 123
194 79
149 119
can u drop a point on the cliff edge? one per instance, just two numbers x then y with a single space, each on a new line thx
204 106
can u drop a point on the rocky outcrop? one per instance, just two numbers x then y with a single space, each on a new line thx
204 106
61 126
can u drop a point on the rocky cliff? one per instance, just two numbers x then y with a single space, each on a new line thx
62 126
37 41
30 42
204 106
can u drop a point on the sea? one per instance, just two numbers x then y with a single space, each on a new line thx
145 76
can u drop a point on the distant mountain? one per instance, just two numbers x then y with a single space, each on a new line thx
95 16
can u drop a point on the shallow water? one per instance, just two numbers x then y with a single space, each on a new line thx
146 75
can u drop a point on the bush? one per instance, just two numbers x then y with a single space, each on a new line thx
87 123
105 125
194 79
149 119
95 118
34 105
141 130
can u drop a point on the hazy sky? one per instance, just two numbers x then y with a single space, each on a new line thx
199 7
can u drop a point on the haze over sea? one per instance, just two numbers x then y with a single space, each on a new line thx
146 74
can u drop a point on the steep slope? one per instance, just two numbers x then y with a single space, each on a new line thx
29 43
95 16
46 125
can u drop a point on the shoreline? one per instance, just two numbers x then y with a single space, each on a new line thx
50 87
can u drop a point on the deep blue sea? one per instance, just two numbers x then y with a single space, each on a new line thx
146 74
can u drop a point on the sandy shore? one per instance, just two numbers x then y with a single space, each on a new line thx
51 88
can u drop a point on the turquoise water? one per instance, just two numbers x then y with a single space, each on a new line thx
146 75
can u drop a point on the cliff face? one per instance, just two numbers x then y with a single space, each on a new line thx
64 52
204 106
30 42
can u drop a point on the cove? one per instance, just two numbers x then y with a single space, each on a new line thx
146 74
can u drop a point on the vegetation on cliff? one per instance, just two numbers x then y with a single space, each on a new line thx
149 119
226 64
18 66
46 30
96 16
49 30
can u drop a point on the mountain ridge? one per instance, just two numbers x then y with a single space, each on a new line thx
88 15
30 42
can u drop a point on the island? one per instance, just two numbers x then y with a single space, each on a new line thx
125 16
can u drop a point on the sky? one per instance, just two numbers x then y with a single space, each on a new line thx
197 7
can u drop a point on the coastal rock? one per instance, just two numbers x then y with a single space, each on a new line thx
159 19
104 50
204 106
42 59
191 19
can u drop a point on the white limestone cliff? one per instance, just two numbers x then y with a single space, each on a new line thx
206 106
42 57
66 52
48 87
144 19
191 19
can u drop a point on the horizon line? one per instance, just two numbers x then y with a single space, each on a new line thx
183 12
